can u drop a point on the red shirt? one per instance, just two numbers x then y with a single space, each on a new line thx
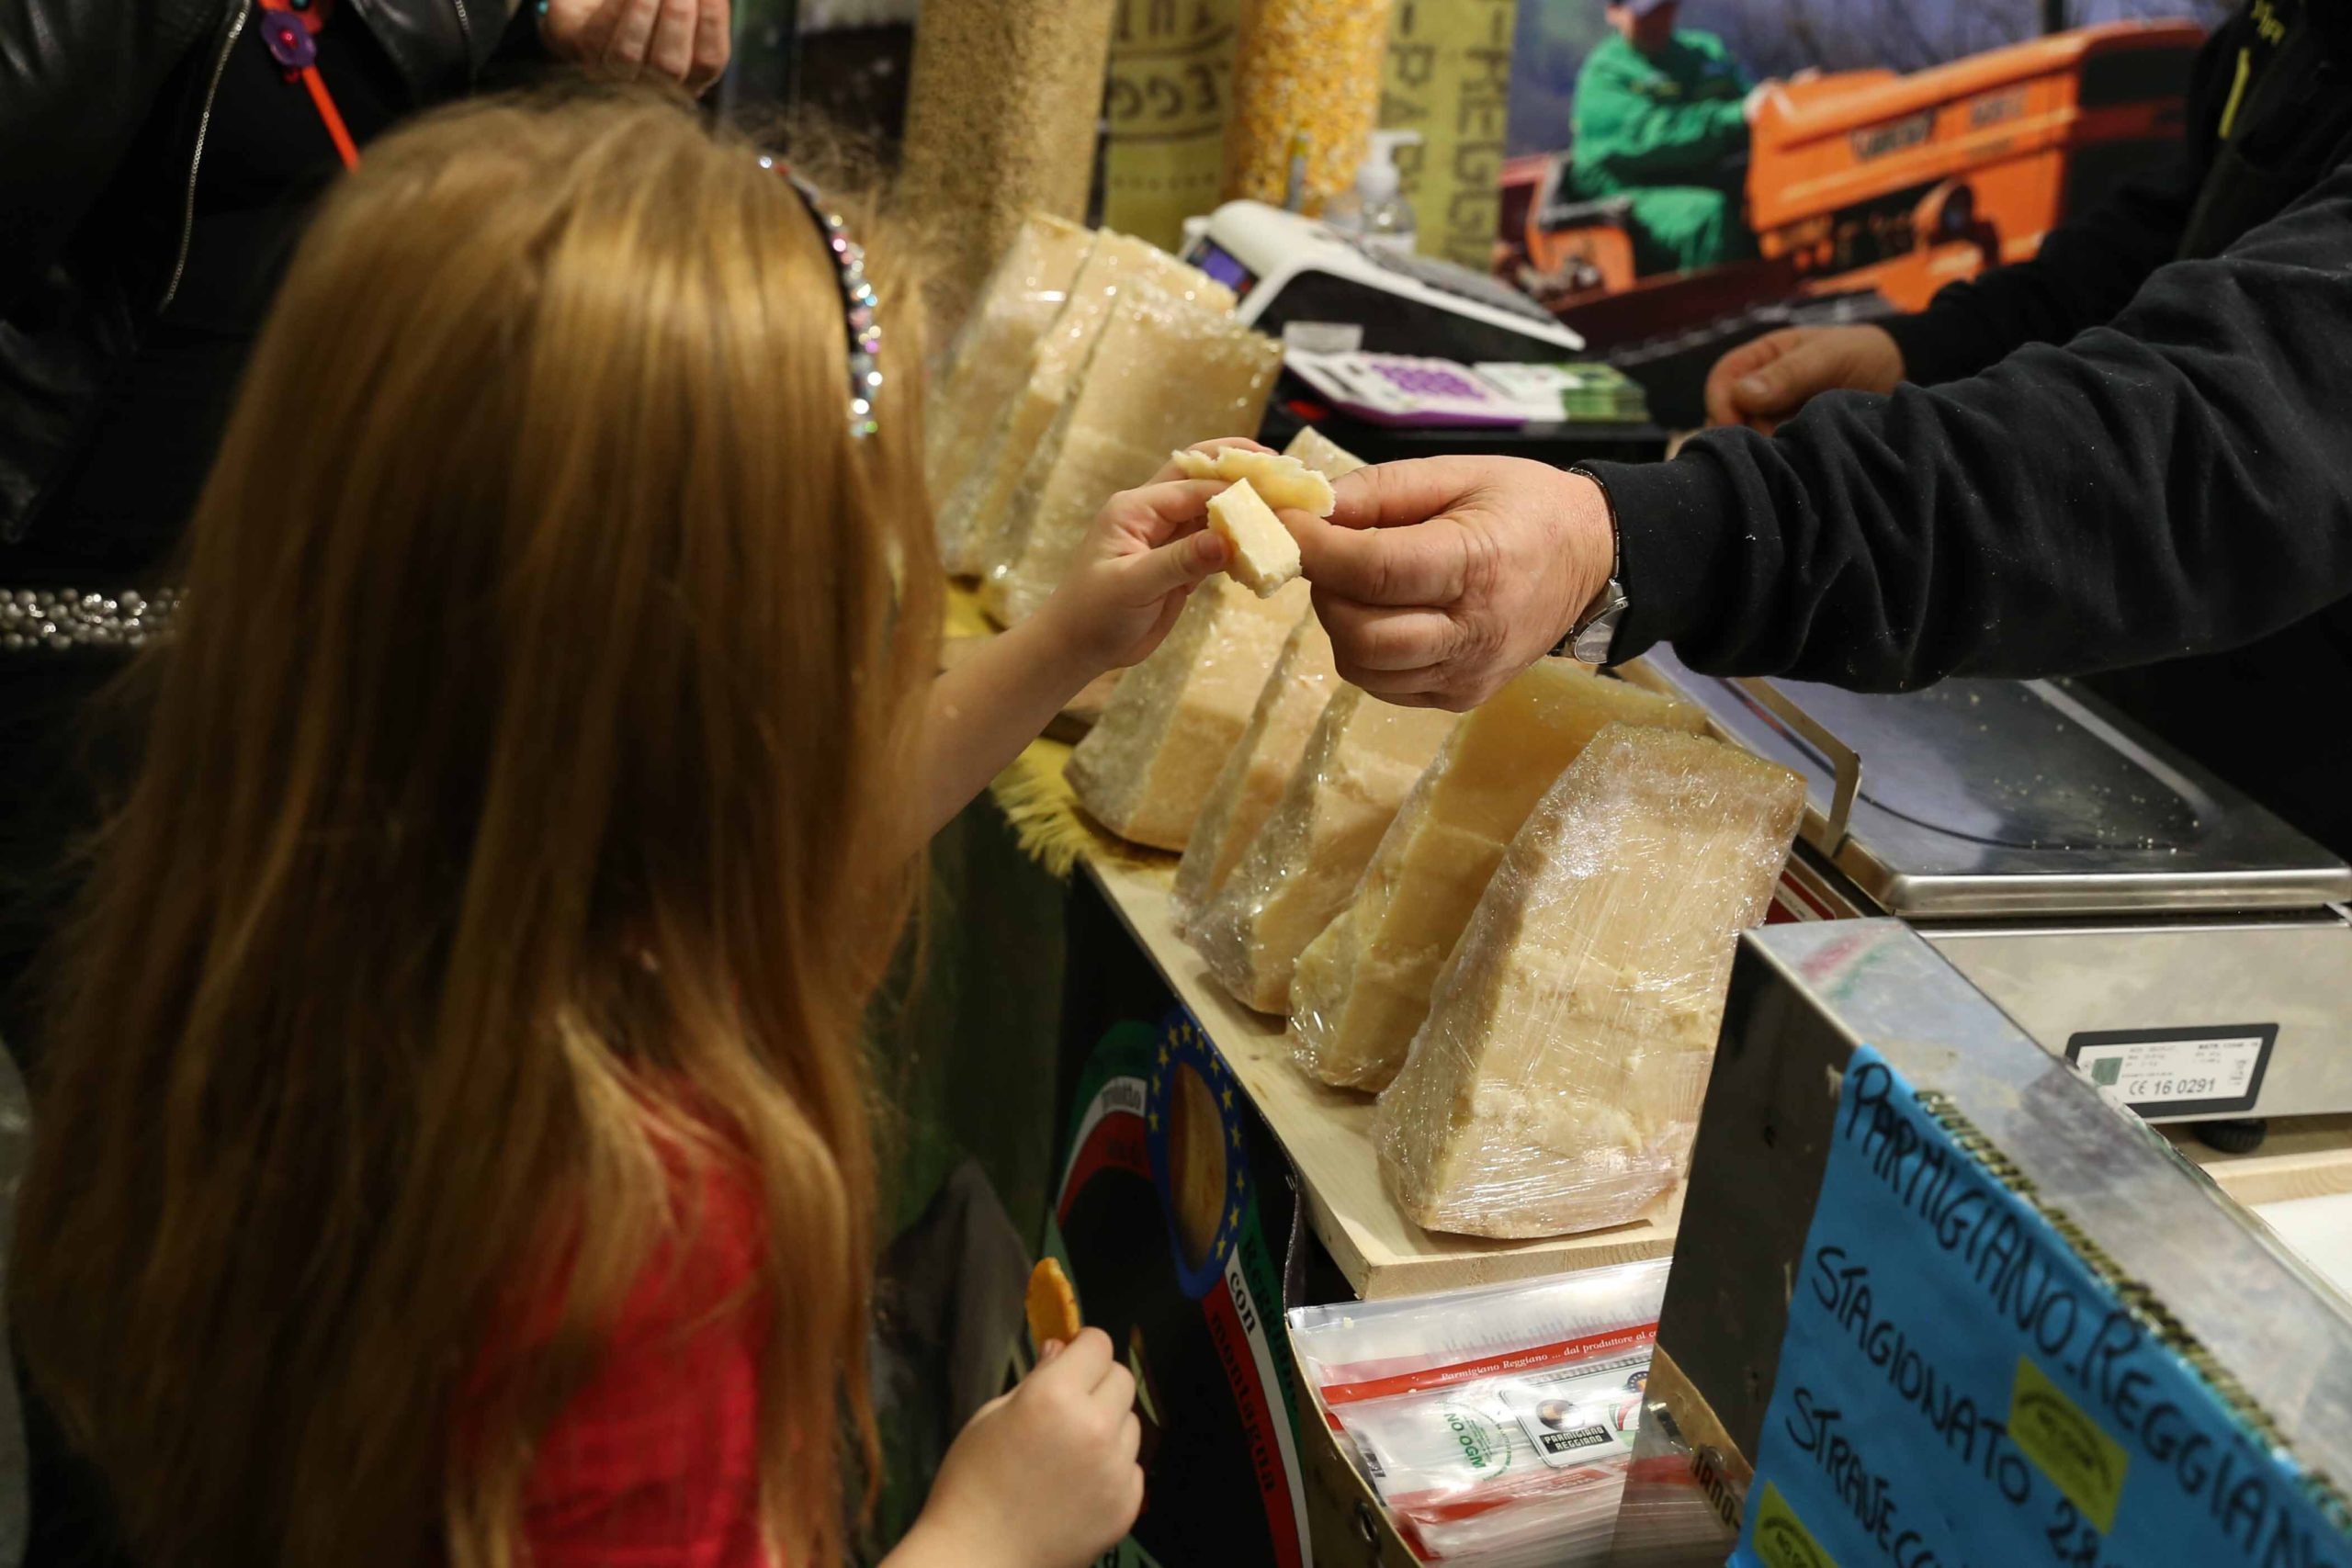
654 1462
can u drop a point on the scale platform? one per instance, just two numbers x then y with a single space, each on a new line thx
2131 913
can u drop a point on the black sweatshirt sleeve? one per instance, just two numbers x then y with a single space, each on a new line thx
2086 269
2178 481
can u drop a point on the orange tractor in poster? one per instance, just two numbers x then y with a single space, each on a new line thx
1868 180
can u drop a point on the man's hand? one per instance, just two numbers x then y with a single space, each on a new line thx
685 41
1441 578
1764 382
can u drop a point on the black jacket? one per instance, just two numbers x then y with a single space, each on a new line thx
2135 447
104 107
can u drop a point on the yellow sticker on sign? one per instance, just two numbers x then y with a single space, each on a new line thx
2073 1449
1781 1539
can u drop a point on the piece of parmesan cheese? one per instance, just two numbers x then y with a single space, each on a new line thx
1296 873
1555 1086
1362 986
1260 553
1145 767
1279 479
1259 766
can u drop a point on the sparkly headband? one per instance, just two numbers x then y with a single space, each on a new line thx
857 301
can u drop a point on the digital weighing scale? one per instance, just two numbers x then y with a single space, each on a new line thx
2134 915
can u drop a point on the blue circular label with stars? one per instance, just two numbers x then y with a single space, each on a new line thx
1193 1123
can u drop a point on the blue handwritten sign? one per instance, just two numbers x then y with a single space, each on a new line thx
1958 1389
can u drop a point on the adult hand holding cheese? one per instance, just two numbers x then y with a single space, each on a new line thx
1441 578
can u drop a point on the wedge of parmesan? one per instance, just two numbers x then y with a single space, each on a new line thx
1260 553
1297 873
977 525
1322 454
1164 370
1023 294
1555 1086
1362 986
1279 479
1257 767
1148 764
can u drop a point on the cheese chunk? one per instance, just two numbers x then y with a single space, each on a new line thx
1260 553
1296 873
979 515
1279 479
1257 767
1322 454
1555 1086
1362 986
1148 764
1164 371
992 358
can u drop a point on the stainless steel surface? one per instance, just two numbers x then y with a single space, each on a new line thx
1802 997
1846 764
2293 973
2007 797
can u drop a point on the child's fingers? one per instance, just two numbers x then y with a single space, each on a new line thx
1080 1363
1173 567
1168 510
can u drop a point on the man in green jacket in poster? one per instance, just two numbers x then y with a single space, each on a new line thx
1661 116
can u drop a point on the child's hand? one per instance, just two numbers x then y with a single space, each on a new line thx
1044 1477
1141 560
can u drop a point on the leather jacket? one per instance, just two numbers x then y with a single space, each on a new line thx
104 106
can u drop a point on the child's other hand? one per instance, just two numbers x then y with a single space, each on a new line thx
1139 562
1044 1477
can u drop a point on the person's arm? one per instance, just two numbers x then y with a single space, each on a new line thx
1129 582
77 81
2174 483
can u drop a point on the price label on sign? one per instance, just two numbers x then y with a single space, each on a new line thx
2179 1072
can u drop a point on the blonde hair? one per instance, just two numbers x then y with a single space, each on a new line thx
518 794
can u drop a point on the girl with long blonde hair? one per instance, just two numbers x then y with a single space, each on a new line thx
455 1142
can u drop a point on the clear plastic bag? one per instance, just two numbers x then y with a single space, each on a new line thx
1166 371
1494 1423
1296 874
1555 1086
990 362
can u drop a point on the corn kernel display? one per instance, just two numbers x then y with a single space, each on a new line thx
1310 70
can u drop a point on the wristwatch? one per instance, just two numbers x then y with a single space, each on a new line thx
1588 642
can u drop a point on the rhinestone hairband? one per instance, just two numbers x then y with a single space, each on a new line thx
51 620
858 303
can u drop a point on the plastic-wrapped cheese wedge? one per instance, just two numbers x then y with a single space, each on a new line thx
1362 986
1165 371
1257 767
1555 1086
1148 764
1023 294
1296 873
978 518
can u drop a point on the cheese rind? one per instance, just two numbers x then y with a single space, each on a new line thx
991 363
1257 767
1164 371
1358 767
1279 479
1260 553
1362 986
1555 1086
978 519
1148 764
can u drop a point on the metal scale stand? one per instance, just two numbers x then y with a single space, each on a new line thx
2128 911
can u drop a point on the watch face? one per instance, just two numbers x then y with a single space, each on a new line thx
1591 641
